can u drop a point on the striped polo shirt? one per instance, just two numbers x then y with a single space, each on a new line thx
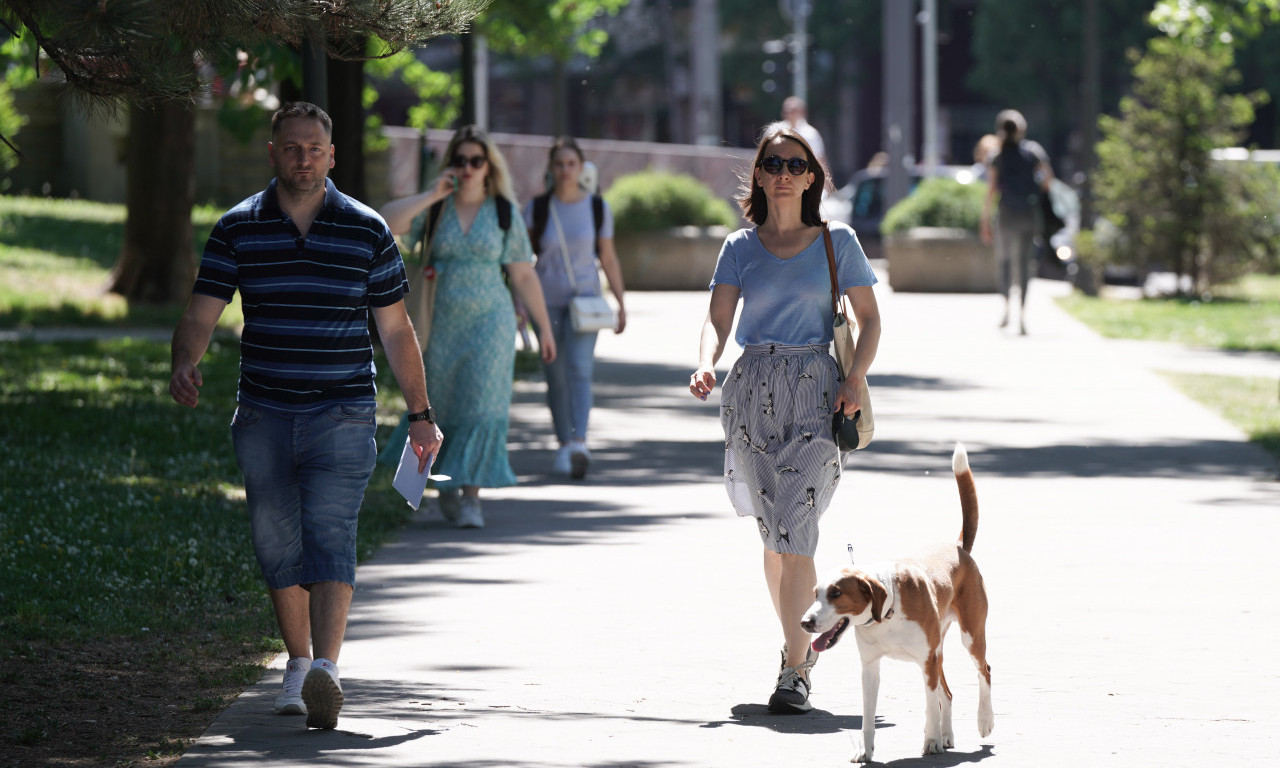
306 300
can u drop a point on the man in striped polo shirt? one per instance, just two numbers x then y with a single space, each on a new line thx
311 264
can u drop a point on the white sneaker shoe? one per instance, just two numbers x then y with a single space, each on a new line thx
562 464
289 702
322 694
450 503
470 516
579 460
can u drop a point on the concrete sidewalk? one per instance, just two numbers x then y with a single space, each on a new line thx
1127 541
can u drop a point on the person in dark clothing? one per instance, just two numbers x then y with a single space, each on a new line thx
1018 174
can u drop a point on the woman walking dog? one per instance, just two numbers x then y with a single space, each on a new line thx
782 464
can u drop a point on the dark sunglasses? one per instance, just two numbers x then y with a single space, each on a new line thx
772 165
461 161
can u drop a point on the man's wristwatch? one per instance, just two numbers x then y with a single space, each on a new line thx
427 415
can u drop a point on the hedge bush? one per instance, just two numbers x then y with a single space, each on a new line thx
649 200
937 202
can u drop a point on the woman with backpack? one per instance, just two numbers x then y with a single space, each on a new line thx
571 228
1019 173
466 218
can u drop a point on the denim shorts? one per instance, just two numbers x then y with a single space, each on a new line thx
304 477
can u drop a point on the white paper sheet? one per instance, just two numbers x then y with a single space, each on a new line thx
408 480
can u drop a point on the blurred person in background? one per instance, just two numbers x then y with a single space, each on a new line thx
467 214
571 227
1018 174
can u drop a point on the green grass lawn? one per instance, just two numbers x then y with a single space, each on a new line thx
56 258
1243 316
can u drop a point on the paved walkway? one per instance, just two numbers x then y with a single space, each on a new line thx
1128 542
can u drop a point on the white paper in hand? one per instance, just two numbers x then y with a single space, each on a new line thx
409 481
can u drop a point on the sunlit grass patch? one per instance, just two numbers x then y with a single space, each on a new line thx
1252 404
56 256
1245 316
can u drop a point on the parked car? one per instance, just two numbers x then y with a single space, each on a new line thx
860 202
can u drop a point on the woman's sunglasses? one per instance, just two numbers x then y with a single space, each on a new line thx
461 161
772 165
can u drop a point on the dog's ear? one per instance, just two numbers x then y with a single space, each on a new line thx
878 595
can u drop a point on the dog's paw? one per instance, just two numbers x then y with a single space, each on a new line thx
986 724
986 720
948 741
933 747
861 751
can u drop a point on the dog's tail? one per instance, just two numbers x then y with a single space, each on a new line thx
968 497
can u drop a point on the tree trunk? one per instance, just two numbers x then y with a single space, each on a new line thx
158 261
346 94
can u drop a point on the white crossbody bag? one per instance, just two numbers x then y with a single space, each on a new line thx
588 314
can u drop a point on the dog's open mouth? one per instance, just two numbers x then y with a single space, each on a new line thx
828 639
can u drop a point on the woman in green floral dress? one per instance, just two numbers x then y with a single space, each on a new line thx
471 353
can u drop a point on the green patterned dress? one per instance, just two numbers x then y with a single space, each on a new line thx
472 351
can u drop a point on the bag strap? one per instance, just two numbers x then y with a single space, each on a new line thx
540 205
837 306
597 216
564 251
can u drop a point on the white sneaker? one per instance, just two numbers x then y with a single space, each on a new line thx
289 702
579 460
450 503
562 465
470 516
322 694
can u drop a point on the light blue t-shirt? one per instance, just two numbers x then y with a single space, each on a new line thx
580 236
788 301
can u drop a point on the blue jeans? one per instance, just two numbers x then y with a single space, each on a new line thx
304 479
569 377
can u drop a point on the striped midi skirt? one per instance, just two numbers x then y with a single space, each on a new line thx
781 463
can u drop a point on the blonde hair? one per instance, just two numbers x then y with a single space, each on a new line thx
498 180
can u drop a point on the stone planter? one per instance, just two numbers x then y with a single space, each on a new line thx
940 260
677 259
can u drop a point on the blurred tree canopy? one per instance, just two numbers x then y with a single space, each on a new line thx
1168 203
157 56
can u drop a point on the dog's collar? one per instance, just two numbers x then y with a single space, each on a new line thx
885 577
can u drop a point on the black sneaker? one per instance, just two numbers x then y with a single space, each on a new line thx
791 696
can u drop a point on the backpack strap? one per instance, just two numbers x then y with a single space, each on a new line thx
597 216
541 205
504 211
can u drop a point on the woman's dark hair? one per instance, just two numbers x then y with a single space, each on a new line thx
1011 126
564 142
751 198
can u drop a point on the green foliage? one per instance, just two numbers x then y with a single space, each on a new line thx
937 202
560 29
146 50
650 200
1210 22
438 94
17 55
1155 179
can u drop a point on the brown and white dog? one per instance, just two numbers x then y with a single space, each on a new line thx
903 610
